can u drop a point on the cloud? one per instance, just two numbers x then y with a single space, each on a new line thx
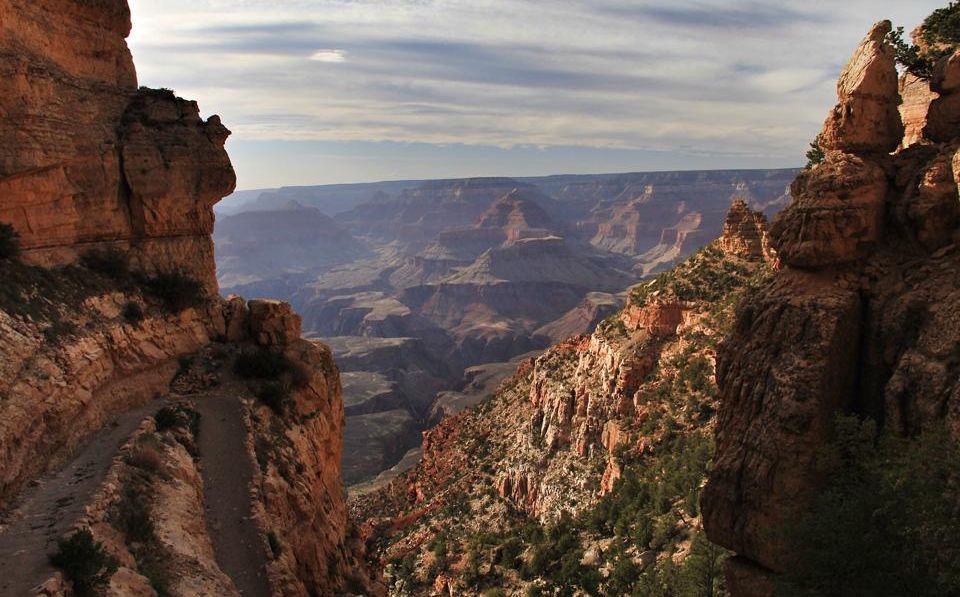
329 56
698 15
734 78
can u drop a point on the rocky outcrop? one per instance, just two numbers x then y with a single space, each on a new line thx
57 393
87 159
745 233
861 318
916 95
298 487
866 118
943 115
837 215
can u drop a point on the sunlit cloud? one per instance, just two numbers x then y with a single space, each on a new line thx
329 56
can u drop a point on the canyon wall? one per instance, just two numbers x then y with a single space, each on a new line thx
861 319
88 159
108 185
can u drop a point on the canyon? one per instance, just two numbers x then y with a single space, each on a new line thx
578 384
470 273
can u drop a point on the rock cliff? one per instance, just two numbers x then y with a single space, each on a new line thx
860 319
112 309
87 158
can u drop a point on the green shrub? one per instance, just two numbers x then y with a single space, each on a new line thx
176 290
132 313
9 242
133 513
941 37
178 417
274 394
815 155
60 329
84 562
146 455
110 262
269 365
886 522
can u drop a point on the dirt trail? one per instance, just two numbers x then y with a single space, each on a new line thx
52 504
227 474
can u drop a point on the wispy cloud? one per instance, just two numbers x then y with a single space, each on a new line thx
721 78
329 56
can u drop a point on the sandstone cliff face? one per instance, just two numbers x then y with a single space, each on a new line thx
298 489
59 390
87 159
861 318
90 161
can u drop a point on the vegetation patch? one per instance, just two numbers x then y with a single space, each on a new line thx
110 262
178 418
708 276
84 562
886 524
176 290
940 38
132 313
9 242
815 155
274 375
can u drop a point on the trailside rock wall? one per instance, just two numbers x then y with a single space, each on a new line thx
86 158
862 317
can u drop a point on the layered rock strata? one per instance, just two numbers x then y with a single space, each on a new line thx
87 159
90 161
861 318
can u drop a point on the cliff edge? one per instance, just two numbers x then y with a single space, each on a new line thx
861 318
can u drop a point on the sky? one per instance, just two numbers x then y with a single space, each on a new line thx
336 91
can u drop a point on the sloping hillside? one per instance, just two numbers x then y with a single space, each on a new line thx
584 469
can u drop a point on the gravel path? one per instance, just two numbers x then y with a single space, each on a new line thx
52 504
227 474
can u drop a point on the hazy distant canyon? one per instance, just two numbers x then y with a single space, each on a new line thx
425 288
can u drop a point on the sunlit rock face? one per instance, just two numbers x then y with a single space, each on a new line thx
861 317
87 158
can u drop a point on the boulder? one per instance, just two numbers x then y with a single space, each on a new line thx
273 323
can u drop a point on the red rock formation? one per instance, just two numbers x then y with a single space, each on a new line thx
745 233
87 159
658 318
866 117
943 115
917 95
861 318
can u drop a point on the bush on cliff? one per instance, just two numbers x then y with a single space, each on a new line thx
887 522
9 242
176 290
941 37
269 365
110 262
815 155
84 562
